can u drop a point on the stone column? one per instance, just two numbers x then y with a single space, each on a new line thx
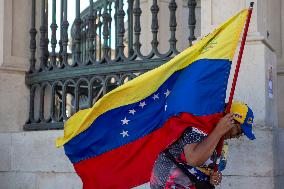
259 55
14 61
14 35
280 72
30 157
252 164
279 139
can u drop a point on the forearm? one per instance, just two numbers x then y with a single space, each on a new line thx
199 153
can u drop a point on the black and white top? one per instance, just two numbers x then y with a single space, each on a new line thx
165 174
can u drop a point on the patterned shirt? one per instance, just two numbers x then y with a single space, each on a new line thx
165 174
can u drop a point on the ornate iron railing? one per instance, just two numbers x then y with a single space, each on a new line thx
103 56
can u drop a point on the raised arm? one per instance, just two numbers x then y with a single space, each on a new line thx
197 153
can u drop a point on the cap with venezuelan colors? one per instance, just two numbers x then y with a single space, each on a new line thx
244 115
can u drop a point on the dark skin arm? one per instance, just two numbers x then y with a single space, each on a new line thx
197 153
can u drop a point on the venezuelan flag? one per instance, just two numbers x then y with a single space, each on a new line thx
114 144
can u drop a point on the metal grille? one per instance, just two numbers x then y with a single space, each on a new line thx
105 51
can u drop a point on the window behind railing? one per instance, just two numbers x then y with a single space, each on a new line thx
74 63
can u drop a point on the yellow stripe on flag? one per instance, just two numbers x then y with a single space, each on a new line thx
220 44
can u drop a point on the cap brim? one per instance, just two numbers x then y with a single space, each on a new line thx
247 129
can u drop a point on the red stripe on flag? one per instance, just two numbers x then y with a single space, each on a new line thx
131 165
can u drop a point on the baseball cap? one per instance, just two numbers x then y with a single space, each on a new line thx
244 115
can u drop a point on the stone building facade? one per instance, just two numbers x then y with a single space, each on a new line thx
30 160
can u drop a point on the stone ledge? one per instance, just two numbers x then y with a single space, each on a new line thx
58 181
39 180
17 180
244 182
13 69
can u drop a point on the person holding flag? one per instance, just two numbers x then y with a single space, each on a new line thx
114 144
192 161
189 162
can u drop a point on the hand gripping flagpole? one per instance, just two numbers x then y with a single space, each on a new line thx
220 145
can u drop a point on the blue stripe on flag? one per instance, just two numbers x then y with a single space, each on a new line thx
202 86
198 89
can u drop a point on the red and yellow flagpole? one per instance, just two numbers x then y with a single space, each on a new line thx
238 65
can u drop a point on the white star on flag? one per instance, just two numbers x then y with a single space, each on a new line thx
125 121
132 111
192 171
124 133
166 107
142 104
156 96
167 93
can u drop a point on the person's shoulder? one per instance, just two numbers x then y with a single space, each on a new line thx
198 131
192 129
193 135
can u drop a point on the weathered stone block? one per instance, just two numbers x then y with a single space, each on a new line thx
58 181
278 147
14 98
17 180
279 182
5 151
36 151
280 102
244 182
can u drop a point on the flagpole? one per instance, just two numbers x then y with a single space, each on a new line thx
221 142
239 58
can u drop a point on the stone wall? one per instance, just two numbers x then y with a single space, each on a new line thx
31 160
